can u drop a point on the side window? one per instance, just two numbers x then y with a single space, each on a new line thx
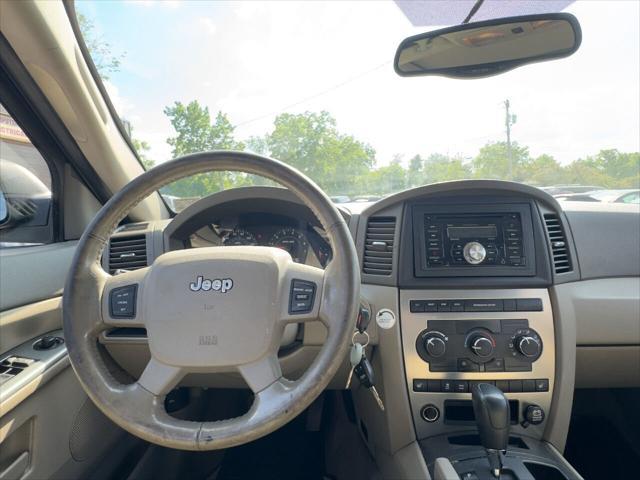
26 199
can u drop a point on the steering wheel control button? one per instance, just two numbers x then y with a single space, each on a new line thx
385 318
122 302
301 297
430 413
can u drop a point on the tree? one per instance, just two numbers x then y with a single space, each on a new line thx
543 170
312 143
143 148
196 133
104 59
415 173
442 168
615 164
387 179
493 161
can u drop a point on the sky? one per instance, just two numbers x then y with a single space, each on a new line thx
254 60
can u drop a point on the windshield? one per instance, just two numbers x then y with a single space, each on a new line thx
312 84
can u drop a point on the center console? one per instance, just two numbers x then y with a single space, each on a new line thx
454 339
471 266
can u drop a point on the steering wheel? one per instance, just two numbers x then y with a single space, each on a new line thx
210 310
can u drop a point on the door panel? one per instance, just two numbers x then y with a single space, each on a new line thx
31 274
47 423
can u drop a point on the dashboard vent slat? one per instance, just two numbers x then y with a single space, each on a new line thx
127 252
558 242
378 246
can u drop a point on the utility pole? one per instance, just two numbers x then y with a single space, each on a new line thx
509 120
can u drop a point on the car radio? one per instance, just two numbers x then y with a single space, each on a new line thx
487 239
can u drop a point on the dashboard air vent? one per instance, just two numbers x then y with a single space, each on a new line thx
378 246
127 252
558 241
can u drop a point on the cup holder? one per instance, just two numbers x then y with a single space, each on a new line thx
540 471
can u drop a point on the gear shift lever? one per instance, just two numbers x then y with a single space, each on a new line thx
491 409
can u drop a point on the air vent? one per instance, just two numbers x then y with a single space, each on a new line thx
558 241
127 252
378 246
132 226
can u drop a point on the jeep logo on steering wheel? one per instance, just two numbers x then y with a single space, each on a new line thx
222 285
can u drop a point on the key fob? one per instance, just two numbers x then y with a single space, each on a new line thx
356 354
364 372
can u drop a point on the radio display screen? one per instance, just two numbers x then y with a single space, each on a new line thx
457 233
473 240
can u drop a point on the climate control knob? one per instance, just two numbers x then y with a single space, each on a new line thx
482 346
435 346
528 346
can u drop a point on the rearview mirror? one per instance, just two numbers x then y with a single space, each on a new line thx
487 48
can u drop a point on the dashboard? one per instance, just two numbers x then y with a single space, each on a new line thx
486 281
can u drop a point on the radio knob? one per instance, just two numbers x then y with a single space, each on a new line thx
435 346
528 346
474 253
482 346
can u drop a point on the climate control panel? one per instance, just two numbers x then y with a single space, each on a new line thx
453 339
479 346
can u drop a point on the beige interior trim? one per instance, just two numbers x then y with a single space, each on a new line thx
21 324
37 383
608 367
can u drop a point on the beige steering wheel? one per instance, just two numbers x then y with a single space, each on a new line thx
210 310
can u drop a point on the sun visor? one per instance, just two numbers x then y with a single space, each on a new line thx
423 13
